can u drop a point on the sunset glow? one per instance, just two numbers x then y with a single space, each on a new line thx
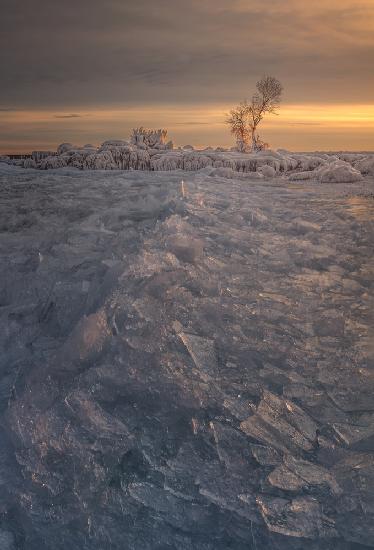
297 127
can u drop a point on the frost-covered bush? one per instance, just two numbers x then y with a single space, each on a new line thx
51 163
29 163
40 155
149 150
167 161
99 161
150 138
338 172
195 161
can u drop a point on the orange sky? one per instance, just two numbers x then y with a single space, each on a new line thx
297 127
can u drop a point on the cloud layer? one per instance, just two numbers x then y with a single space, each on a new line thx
119 53
122 51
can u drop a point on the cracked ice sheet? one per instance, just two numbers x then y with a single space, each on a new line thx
192 370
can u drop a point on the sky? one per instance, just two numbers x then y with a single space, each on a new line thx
84 71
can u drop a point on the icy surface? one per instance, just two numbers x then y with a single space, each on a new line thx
185 367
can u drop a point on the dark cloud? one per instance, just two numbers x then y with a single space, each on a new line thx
173 51
72 115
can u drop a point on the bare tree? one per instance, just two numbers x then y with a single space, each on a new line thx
246 117
237 120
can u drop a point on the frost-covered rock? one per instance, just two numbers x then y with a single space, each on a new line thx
365 165
351 157
338 172
222 172
267 171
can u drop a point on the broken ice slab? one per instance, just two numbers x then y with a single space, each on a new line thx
228 492
301 517
238 406
349 387
202 351
295 474
351 434
178 512
266 456
355 474
93 418
282 424
231 446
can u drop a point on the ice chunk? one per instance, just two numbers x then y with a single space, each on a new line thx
282 424
295 474
300 517
266 171
202 351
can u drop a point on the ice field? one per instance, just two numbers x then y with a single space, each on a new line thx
189 365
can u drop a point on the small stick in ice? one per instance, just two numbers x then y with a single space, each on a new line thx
183 190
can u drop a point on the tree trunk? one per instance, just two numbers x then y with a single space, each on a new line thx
253 140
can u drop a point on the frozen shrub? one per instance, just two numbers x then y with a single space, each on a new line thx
149 138
99 161
40 155
29 163
195 161
52 163
171 161
338 172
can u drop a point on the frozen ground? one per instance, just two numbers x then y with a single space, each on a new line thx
187 373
